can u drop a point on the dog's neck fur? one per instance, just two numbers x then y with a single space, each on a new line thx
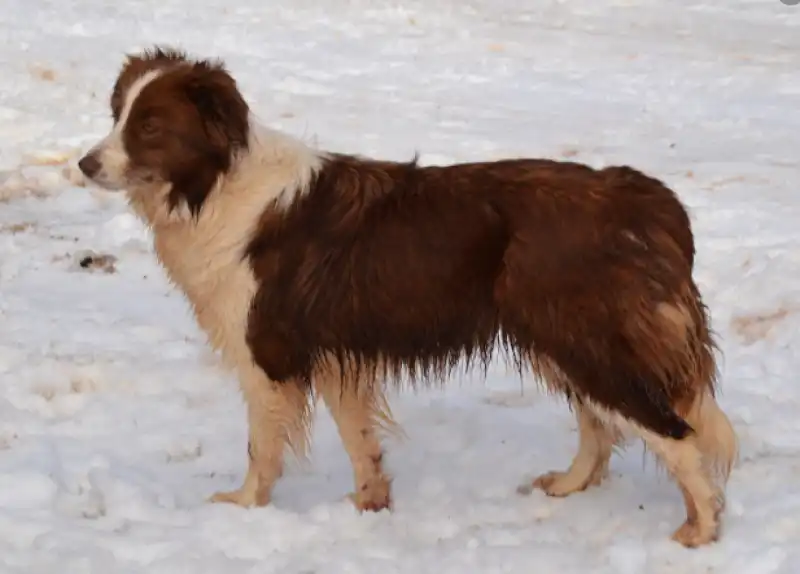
204 255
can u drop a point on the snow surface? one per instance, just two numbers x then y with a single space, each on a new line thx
116 423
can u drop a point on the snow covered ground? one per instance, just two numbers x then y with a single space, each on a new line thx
116 423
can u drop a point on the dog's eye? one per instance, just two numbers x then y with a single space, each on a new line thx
149 127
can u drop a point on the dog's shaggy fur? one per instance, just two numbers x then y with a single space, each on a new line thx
328 272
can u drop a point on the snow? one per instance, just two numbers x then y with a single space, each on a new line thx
116 422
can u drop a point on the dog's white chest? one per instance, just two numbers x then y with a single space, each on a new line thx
208 266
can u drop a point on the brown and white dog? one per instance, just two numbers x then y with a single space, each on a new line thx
314 271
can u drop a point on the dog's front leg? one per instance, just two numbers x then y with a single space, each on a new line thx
278 416
360 412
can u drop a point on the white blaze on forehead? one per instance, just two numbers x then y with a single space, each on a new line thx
110 151
130 96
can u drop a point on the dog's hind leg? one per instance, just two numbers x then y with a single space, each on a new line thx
707 454
682 455
590 465
715 437
704 502
359 412
692 437
278 417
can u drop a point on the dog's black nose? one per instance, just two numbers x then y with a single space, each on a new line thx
89 165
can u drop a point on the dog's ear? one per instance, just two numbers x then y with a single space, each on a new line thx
225 119
222 108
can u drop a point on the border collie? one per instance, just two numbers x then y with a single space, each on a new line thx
319 273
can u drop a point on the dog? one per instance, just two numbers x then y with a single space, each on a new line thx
324 274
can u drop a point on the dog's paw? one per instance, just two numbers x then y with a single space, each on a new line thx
373 496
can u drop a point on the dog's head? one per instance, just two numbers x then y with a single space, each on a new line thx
176 121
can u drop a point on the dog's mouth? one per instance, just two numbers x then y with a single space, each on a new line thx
105 184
